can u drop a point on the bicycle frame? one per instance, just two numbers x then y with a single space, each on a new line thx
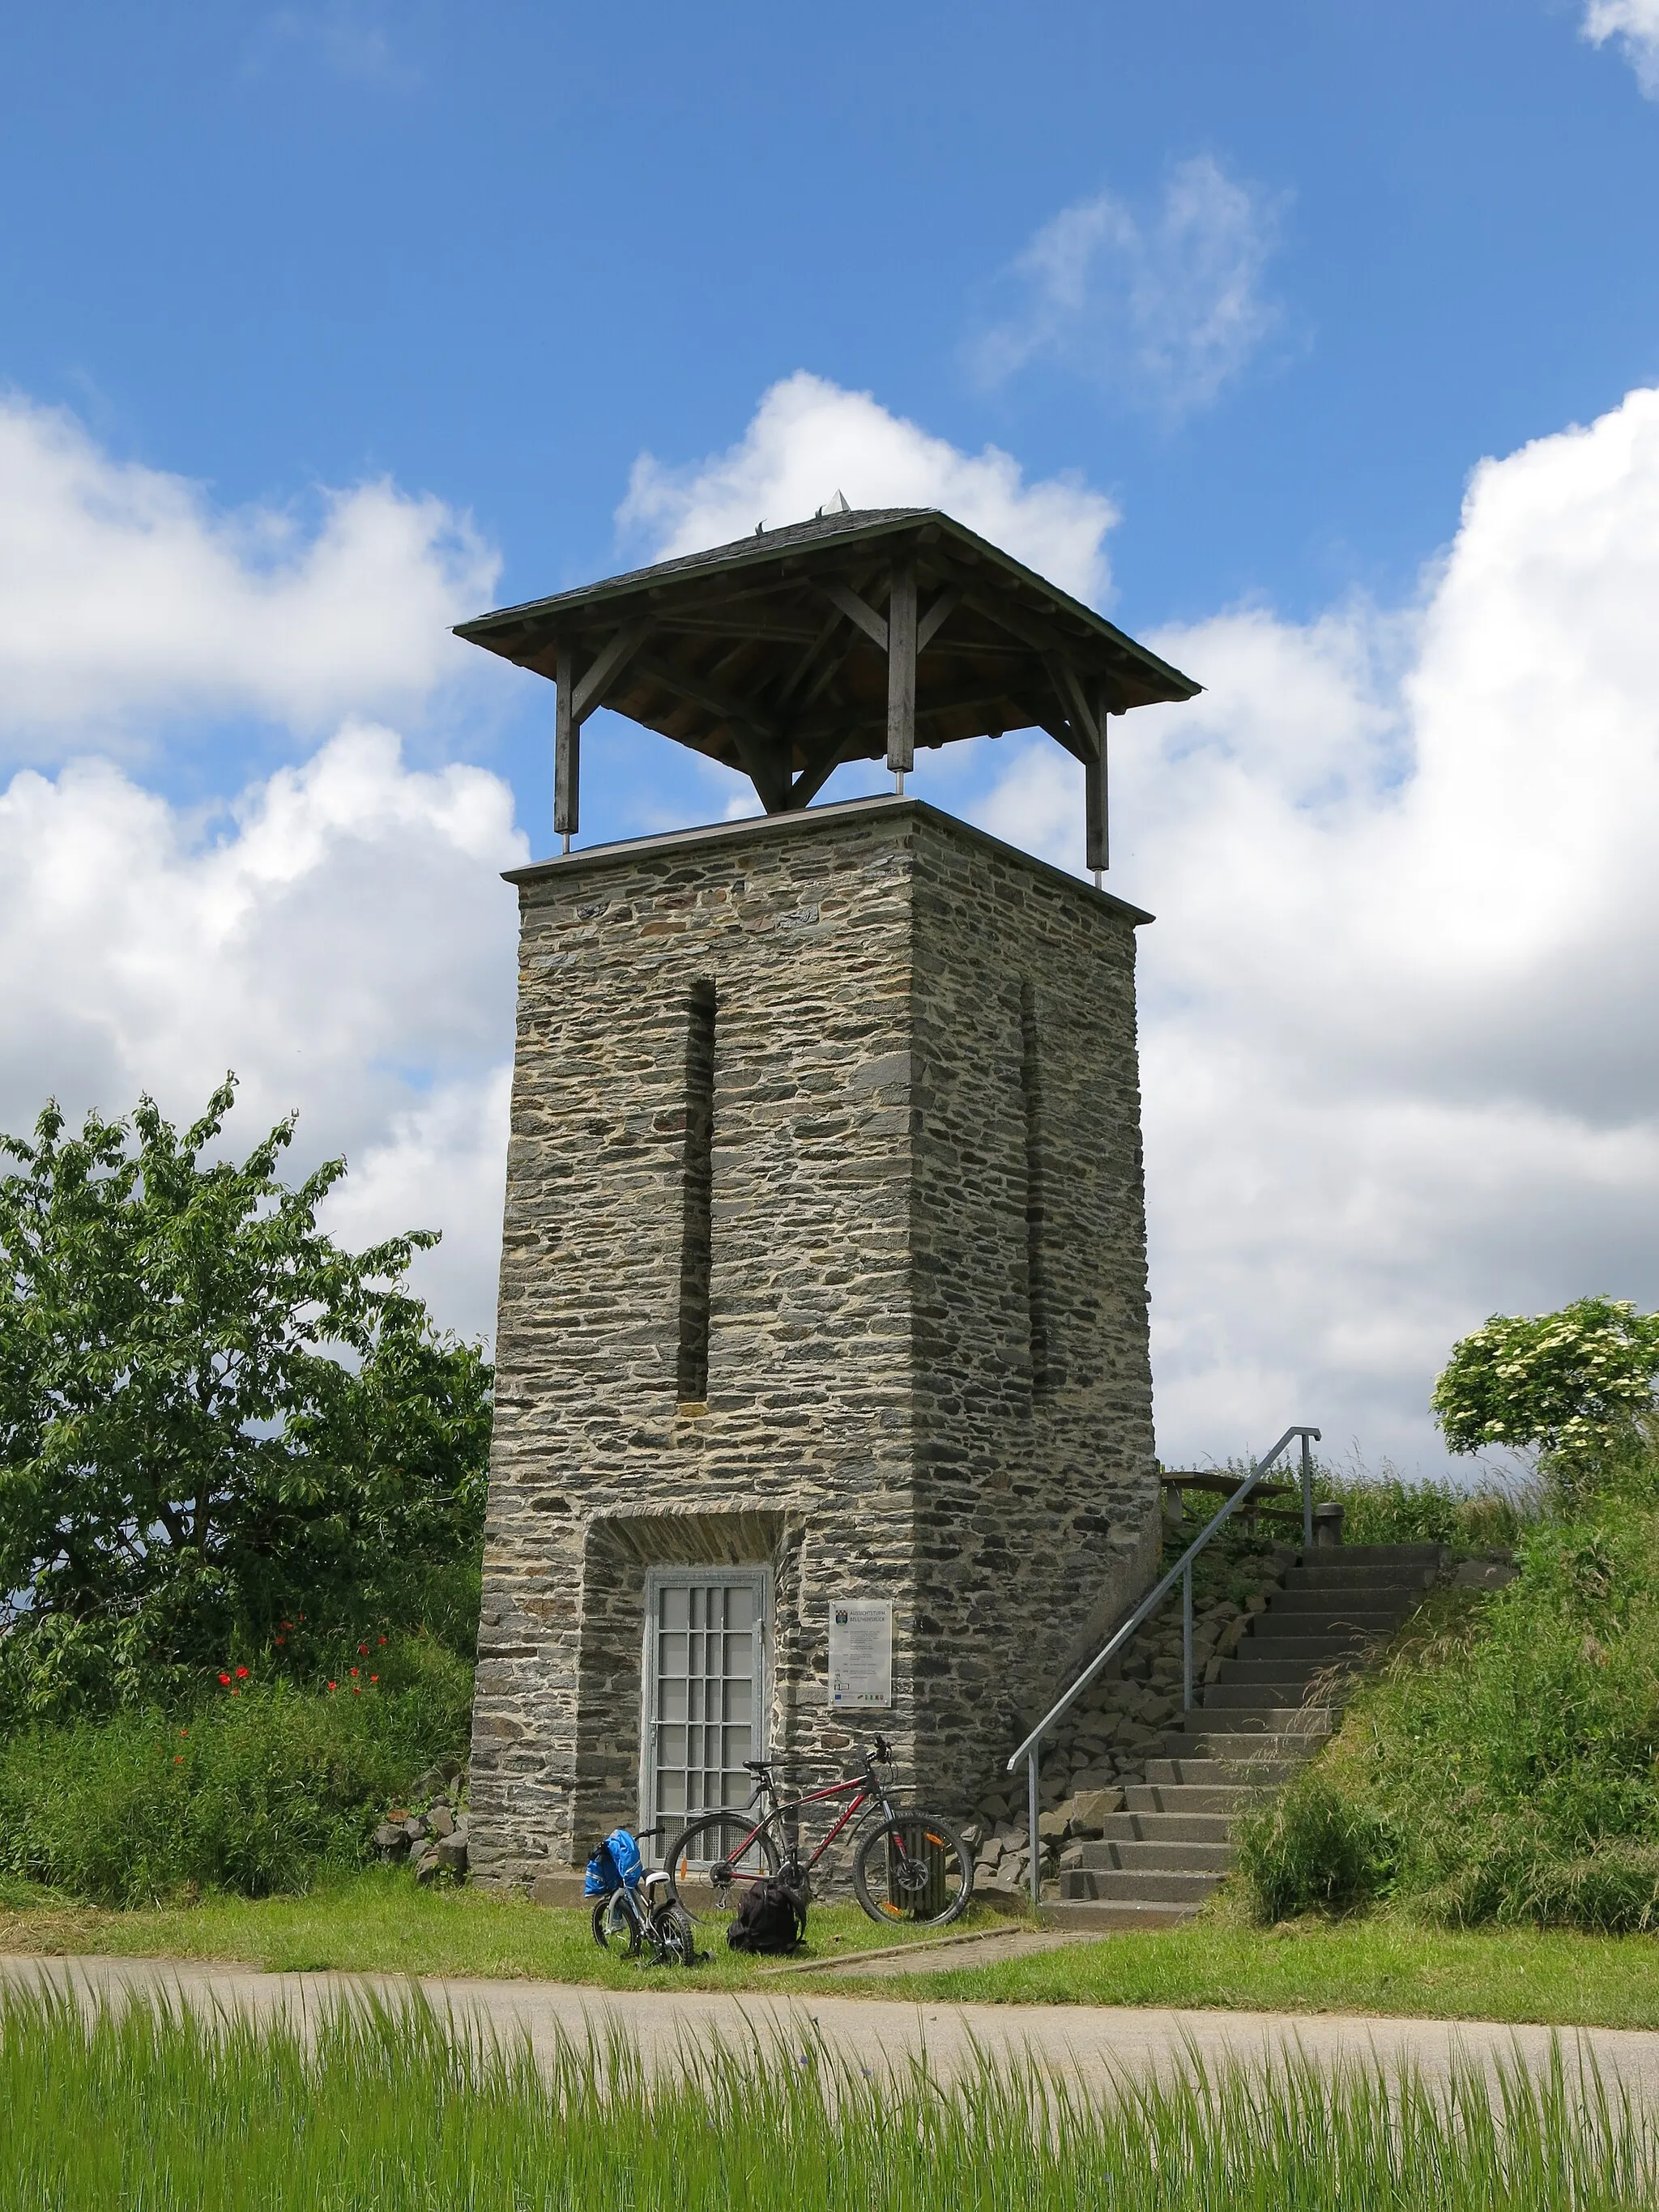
865 1790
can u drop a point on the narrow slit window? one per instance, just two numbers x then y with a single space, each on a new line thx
1030 1084
696 1243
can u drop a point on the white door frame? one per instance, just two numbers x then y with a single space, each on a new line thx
758 1575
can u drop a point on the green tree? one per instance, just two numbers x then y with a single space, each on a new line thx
210 1414
1575 1383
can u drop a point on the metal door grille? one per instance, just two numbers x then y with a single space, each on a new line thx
704 1641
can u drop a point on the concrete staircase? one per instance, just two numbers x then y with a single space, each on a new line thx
1270 1707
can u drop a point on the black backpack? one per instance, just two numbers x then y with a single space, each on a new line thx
771 1917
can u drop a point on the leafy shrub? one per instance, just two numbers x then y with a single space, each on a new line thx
1312 1849
212 1415
1572 1383
255 1792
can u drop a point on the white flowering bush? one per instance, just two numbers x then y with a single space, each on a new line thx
1573 1383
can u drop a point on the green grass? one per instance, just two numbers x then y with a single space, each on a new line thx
1503 1766
1384 1509
148 2108
379 1923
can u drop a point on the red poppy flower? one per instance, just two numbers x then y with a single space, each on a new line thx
235 1692
374 1678
242 1674
382 1639
225 1680
362 1651
354 1670
356 1689
178 1758
281 1639
333 1686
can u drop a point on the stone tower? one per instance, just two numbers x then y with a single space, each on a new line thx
823 1273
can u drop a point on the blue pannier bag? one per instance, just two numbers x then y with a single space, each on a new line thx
602 1874
624 1857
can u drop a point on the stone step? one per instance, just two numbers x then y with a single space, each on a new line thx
1259 1666
1274 1630
1363 1603
1352 1628
1390 1555
1252 1693
1293 1653
1144 1885
1153 1827
1159 1856
1215 1772
1186 1800
1093 1917
1243 1749
1315 1723
1278 1718
1390 1589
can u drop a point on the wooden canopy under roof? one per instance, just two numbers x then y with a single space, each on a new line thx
858 636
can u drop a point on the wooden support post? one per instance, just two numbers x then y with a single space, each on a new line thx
567 751
902 673
1097 839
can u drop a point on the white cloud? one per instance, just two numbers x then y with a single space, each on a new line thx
1399 1071
1164 311
809 438
348 37
1400 1067
340 937
1635 24
126 600
1400 1064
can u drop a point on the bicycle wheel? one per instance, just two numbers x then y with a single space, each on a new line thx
914 1868
616 1926
677 1935
714 1860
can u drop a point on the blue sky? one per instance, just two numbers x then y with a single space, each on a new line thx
497 253
1244 296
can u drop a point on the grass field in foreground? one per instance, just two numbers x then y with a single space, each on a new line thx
148 2107
377 1922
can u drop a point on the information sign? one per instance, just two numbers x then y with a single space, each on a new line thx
861 1654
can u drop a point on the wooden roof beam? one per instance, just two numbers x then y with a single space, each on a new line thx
942 608
725 706
603 671
856 610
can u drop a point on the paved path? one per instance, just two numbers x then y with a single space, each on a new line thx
1095 2040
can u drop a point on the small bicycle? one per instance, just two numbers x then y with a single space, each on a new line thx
646 1913
912 1867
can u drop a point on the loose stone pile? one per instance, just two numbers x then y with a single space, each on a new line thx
431 1841
1108 1735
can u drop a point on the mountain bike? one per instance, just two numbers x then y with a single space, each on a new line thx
913 1866
648 1913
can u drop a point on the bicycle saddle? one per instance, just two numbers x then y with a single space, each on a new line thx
759 1765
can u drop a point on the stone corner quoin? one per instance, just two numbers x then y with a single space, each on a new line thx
824 1276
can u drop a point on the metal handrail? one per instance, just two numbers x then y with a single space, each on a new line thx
1182 1571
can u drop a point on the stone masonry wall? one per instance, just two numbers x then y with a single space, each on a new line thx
1036 1493
871 1425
